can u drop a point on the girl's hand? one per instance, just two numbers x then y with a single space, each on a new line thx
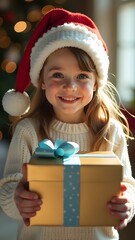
119 206
28 203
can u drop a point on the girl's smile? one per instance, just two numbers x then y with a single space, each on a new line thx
67 87
68 99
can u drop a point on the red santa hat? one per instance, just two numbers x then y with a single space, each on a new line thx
58 28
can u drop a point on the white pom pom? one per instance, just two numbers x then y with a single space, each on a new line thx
16 103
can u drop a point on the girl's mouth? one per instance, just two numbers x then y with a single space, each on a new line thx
69 99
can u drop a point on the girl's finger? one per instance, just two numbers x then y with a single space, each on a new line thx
29 209
120 200
122 225
26 221
21 192
28 203
28 215
121 205
120 215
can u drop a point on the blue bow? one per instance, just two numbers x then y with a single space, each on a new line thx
60 148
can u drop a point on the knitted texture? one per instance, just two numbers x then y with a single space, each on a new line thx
69 35
22 146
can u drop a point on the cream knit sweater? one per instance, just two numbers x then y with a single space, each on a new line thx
23 144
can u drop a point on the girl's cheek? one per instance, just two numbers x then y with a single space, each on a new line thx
50 86
51 90
89 87
53 85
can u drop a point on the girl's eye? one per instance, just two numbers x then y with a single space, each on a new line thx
58 75
82 76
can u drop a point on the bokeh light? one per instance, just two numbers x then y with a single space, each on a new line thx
4 38
34 15
5 41
9 66
20 26
47 8
4 4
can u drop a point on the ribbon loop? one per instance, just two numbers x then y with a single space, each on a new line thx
59 149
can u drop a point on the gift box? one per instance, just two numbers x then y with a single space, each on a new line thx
75 190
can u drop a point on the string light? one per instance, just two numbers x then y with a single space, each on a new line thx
8 66
34 15
47 8
20 26
4 39
4 4
13 53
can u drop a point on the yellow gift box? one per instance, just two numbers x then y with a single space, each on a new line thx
75 194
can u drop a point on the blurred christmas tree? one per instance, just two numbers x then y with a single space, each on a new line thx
17 21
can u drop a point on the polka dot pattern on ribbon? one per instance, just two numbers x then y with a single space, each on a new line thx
71 195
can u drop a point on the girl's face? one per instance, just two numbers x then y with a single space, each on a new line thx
68 88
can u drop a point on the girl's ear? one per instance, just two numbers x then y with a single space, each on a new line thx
43 87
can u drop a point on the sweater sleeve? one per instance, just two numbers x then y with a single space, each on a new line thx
23 144
120 148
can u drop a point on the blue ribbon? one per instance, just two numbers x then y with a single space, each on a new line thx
71 189
59 149
72 192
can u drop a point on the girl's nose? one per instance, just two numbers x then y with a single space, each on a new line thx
70 84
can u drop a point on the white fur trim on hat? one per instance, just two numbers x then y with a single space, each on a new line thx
69 35
16 103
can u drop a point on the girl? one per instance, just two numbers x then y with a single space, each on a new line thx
68 64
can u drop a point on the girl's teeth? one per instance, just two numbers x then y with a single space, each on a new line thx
69 99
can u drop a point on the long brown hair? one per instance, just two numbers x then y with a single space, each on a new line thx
99 111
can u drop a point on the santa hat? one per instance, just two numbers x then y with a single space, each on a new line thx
58 28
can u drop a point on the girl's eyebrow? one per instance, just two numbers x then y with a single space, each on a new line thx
54 68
